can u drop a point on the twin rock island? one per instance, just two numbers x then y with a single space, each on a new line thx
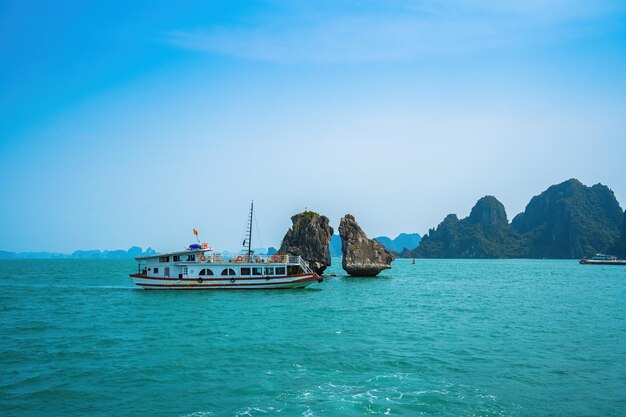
310 235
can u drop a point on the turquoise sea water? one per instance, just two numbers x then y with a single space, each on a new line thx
441 338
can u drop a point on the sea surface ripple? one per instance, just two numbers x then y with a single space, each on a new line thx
438 338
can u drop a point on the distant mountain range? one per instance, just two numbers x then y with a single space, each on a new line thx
403 241
109 254
257 251
568 220
80 254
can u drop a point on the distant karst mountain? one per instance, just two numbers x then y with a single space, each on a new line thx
619 247
403 241
568 220
485 233
80 254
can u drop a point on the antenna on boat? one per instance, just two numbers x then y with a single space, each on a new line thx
250 229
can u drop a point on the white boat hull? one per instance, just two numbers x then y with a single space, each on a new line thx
235 283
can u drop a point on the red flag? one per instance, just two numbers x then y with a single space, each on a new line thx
195 232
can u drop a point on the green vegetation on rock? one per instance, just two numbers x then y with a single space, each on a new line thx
619 247
484 234
569 220
306 217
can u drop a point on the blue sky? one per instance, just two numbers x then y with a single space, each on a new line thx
129 124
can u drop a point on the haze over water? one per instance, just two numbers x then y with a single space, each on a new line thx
441 337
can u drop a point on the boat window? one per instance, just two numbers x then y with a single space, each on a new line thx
269 271
245 271
164 258
185 270
176 258
206 272
191 258
293 269
257 271
155 270
228 271
280 270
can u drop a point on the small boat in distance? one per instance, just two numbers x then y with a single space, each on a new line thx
198 267
602 259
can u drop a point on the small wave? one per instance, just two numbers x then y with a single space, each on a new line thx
248 411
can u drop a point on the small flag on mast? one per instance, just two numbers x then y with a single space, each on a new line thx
195 232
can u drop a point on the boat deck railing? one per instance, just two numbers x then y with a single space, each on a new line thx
251 259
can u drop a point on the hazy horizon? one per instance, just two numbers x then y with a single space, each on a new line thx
133 124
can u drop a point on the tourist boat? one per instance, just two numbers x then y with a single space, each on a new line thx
198 267
602 259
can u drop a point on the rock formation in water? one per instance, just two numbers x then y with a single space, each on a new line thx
309 237
619 247
570 220
485 233
361 256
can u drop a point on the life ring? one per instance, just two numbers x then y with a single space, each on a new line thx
199 280
239 259
202 258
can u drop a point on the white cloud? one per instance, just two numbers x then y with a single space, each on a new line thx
367 31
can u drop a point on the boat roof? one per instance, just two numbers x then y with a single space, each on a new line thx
180 252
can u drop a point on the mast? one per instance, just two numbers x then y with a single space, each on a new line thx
250 229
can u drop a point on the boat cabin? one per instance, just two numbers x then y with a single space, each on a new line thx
204 263
603 257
